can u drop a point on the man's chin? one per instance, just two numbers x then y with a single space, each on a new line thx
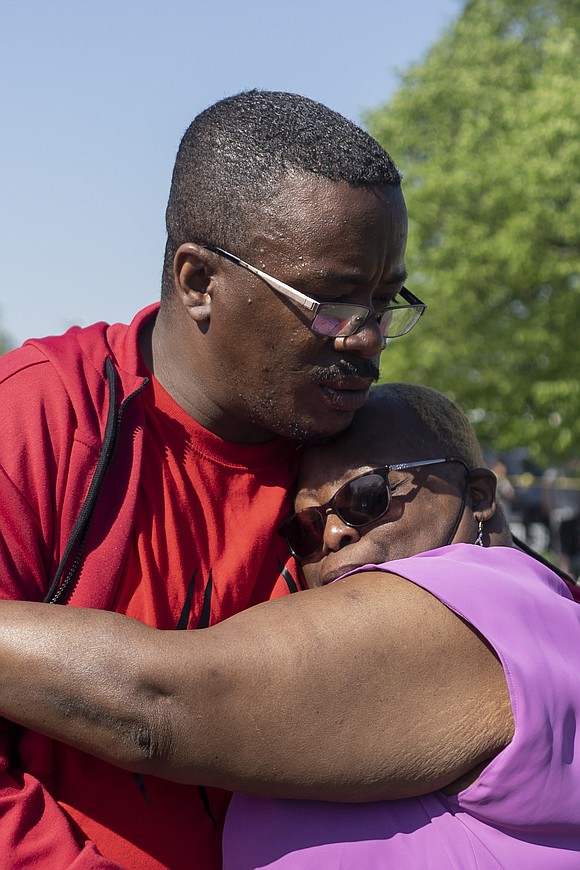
313 434
310 428
316 439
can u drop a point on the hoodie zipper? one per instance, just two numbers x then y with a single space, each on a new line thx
78 537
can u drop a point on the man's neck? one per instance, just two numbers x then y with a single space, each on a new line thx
186 389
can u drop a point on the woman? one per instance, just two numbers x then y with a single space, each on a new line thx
442 687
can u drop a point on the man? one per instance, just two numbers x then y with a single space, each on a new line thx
441 686
144 469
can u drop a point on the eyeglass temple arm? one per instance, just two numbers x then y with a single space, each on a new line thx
296 295
402 466
412 299
285 289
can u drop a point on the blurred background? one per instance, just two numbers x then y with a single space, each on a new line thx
477 101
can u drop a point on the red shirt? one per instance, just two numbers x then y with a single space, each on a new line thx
204 547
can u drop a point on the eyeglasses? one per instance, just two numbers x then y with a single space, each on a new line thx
359 502
340 319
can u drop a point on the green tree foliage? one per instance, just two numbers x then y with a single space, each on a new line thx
487 134
5 342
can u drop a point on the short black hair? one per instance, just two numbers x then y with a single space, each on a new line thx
234 155
440 423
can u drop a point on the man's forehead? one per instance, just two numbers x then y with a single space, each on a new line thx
301 186
302 193
307 211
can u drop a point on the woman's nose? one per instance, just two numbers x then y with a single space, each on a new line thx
337 534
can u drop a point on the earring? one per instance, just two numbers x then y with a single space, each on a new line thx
479 540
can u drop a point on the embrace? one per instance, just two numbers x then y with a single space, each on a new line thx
230 565
436 681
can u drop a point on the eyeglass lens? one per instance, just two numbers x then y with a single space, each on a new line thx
359 502
342 320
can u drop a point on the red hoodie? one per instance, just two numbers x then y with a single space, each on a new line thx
71 449
71 446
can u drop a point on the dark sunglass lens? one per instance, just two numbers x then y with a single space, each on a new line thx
363 500
304 532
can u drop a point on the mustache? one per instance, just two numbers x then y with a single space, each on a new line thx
364 368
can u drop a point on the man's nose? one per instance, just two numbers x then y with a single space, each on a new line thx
337 534
368 340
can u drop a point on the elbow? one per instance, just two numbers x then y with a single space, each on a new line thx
143 744
135 735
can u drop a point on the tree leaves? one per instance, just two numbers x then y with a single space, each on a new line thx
486 132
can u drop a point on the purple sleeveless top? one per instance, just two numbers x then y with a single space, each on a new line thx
524 809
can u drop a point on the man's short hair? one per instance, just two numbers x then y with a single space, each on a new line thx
234 156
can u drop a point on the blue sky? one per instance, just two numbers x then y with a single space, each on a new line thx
96 95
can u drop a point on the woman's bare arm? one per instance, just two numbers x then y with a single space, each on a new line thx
366 689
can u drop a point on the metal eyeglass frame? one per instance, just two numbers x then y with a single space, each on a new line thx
347 318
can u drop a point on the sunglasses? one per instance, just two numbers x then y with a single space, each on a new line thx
340 319
360 502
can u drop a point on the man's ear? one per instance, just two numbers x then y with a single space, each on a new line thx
481 493
192 277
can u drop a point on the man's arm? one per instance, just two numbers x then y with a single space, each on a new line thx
366 689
